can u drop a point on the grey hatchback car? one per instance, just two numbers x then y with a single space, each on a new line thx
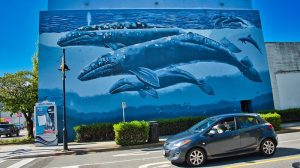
222 136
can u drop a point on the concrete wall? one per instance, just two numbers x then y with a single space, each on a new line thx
99 4
284 64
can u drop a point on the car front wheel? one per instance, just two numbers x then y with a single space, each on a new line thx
268 147
196 157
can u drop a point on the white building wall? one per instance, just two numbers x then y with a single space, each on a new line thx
284 65
288 89
111 4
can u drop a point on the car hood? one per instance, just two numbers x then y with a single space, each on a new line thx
180 136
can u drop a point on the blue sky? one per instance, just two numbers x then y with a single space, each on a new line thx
19 28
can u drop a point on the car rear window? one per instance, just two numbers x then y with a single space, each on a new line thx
246 122
3 126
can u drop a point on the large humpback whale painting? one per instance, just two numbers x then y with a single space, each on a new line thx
163 63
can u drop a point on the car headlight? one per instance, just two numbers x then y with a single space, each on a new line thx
181 143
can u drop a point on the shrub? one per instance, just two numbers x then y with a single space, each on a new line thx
94 132
176 125
131 133
274 119
289 115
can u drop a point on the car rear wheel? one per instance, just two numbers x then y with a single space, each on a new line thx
268 147
196 157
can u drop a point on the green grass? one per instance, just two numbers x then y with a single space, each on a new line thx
16 141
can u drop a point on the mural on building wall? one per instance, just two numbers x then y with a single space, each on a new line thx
162 63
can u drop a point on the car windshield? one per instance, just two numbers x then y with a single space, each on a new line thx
202 125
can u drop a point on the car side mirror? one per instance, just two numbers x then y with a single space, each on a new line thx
212 132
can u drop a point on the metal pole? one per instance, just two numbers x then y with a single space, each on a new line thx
65 136
123 114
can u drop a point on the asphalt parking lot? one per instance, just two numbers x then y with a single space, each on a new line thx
288 152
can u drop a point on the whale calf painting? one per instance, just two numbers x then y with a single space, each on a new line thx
164 63
167 77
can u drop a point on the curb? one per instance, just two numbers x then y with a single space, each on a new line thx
88 150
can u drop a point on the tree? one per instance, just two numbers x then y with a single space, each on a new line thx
19 93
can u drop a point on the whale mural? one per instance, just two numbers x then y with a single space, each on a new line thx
250 40
164 63
167 77
115 39
164 52
119 25
230 22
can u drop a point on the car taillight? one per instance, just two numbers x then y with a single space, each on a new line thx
270 126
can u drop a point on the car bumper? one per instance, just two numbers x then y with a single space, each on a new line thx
175 155
4 132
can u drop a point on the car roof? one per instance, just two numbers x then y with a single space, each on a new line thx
236 115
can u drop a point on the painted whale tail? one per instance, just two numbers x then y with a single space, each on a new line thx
249 71
206 88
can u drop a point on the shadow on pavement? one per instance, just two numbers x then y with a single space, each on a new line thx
248 158
152 149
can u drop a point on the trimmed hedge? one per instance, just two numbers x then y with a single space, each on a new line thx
274 119
289 115
94 132
176 125
131 133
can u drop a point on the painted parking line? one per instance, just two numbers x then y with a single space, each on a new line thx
264 161
137 153
160 164
21 163
289 141
112 162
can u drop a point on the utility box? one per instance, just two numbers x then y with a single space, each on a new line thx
45 124
153 132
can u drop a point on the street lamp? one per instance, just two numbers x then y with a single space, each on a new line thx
63 68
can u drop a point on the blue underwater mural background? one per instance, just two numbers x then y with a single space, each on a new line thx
163 63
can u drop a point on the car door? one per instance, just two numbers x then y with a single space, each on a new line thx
225 142
249 133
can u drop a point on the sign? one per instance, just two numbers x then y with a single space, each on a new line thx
45 122
19 114
123 104
123 107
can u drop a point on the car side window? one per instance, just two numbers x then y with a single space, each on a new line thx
225 126
246 122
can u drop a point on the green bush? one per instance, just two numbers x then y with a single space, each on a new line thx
131 133
289 115
176 125
94 132
274 119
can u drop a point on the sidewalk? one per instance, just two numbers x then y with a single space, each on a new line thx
30 151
